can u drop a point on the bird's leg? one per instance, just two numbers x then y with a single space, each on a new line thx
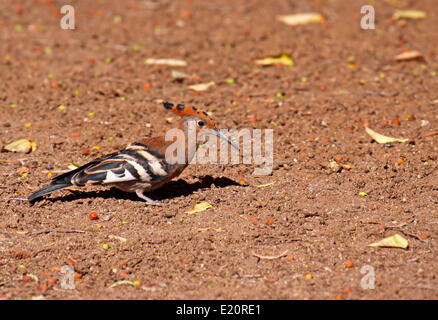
147 199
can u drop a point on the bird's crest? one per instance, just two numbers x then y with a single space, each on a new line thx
183 110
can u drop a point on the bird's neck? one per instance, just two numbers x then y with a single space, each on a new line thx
180 146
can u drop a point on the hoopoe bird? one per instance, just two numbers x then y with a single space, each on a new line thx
142 166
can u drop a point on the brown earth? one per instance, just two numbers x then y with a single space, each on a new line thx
343 79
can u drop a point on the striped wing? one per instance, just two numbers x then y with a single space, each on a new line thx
135 163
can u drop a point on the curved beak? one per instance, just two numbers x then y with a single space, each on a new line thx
218 133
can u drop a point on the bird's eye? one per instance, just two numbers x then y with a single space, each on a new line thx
201 123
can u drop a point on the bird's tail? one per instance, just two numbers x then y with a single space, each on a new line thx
49 189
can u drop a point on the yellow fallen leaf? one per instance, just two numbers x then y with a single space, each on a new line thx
199 207
409 14
408 55
201 86
394 241
379 138
301 18
168 62
22 145
73 166
282 58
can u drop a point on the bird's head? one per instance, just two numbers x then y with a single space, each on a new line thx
192 116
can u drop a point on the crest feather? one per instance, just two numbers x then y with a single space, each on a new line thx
183 110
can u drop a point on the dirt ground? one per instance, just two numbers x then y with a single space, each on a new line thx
314 222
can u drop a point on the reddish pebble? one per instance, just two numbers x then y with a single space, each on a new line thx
75 135
94 216
269 222
147 86
349 264
25 279
322 87
395 122
85 151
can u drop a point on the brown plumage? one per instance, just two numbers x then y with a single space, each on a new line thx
140 167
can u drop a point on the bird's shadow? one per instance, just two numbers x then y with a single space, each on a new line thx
172 189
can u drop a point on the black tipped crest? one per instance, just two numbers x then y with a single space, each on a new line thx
168 105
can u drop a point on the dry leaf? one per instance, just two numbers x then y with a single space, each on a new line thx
201 86
118 283
379 138
265 185
394 241
408 55
409 14
301 18
179 75
270 257
199 207
121 239
167 62
282 58
22 145
73 166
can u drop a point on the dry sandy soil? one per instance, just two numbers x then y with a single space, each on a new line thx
315 219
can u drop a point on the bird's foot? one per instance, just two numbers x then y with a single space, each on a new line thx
148 200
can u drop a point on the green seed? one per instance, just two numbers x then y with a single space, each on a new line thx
105 246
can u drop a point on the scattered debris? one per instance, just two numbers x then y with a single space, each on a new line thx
199 207
301 18
22 145
379 138
409 55
394 241
409 14
201 86
168 62
270 257
282 58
